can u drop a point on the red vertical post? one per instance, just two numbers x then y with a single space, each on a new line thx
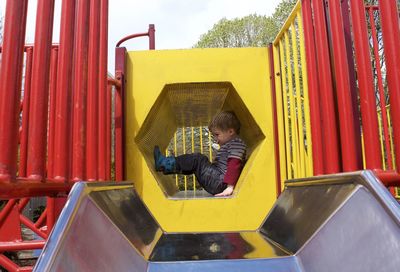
63 127
93 92
152 37
52 112
366 87
25 113
37 141
391 41
382 100
103 92
50 218
330 146
351 146
108 130
345 10
10 83
80 91
119 114
313 88
274 107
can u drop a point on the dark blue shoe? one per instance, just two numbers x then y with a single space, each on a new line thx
167 165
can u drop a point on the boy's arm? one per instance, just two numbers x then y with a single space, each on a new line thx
231 176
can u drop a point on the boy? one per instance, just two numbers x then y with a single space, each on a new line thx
219 177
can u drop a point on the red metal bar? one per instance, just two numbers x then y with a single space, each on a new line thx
6 262
313 87
32 226
329 131
7 209
10 82
350 144
25 114
391 39
103 113
119 114
17 246
152 37
382 100
345 10
62 142
52 112
276 138
93 92
41 219
51 216
150 33
30 188
365 83
388 178
37 141
108 130
80 92
22 203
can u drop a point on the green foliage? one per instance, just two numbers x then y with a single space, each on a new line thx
249 31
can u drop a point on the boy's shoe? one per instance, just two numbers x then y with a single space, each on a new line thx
167 165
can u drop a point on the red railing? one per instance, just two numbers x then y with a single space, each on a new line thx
57 128
120 53
369 73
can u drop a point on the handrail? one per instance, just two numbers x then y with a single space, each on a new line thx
150 33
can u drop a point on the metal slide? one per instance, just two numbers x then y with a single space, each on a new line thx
345 222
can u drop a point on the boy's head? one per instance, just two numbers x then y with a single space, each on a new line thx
225 123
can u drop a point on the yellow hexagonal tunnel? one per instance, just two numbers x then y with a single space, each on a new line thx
175 89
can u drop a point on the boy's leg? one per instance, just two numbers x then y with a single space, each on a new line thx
191 163
198 164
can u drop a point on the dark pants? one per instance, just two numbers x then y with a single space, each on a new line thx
206 174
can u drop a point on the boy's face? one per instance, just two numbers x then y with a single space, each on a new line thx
222 137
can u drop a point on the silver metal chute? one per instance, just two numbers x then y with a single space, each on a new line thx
344 222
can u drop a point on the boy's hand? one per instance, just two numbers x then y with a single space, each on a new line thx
227 192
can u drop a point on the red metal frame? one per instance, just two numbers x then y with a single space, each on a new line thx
54 77
10 82
380 86
349 138
351 67
25 113
80 92
119 108
150 33
313 87
120 53
329 124
62 154
391 40
52 113
104 112
365 83
36 166
93 92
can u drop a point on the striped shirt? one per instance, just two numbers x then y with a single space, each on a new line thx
235 148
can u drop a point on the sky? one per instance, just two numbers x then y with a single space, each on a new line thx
178 23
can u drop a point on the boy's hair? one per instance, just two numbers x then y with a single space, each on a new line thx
225 120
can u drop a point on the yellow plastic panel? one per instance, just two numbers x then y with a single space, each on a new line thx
233 79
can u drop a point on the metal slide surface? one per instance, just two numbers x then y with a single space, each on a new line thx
345 222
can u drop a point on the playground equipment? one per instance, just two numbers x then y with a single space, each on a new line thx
355 226
301 119
186 88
